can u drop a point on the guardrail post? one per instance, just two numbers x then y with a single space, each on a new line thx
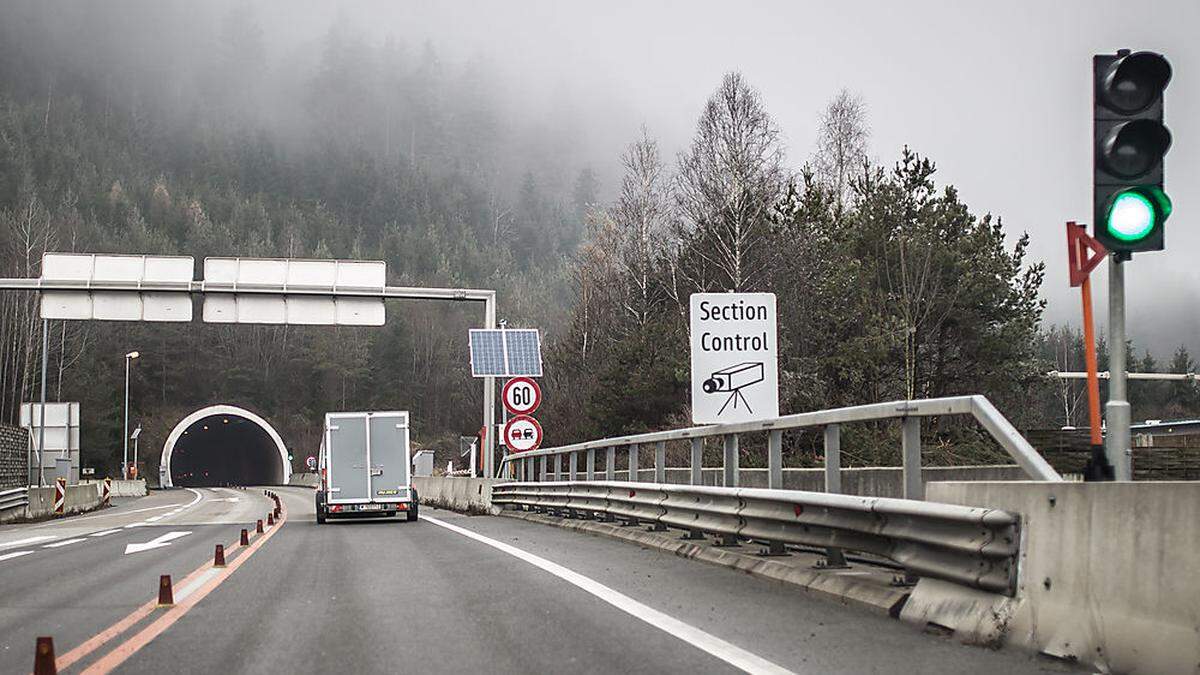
910 441
731 460
543 467
530 469
558 467
833 459
775 460
610 463
633 462
591 464
698 461
574 467
660 462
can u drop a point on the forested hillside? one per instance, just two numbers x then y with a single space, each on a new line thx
110 141
138 126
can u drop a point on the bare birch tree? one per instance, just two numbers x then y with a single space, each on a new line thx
841 144
641 217
729 181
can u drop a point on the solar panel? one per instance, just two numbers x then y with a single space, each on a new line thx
524 351
487 353
505 353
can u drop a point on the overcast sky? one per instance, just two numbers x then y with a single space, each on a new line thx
997 93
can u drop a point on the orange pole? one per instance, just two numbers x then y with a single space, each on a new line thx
1093 380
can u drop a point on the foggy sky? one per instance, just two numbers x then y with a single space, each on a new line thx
998 94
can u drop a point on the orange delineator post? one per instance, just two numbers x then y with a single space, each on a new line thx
1089 350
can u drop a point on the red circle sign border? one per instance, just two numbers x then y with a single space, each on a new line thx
524 418
537 401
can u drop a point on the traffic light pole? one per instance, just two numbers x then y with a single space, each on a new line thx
1117 413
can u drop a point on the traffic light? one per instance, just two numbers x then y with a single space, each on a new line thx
1130 141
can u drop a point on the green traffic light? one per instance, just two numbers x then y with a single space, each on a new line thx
1131 216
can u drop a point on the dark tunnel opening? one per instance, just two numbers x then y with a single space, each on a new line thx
225 449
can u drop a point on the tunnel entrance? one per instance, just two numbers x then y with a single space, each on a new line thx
223 445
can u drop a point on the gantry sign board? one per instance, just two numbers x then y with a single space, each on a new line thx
506 352
114 286
306 288
735 364
235 290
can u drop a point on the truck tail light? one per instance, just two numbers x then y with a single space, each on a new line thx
336 508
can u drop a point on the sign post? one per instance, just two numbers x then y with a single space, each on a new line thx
735 363
1083 255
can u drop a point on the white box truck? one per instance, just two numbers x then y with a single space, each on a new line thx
364 465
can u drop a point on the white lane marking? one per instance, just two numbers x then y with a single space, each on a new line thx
156 518
196 583
104 533
729 653
64 542
22 542
157 542
14 554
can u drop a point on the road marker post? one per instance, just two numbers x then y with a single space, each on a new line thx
245 540
166 597
107 494
271 519
258 528
43 657
219 556
60 496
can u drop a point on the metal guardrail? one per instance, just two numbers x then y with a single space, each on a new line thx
14 498
523 466
970 546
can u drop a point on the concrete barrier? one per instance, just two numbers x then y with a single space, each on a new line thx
1108 575
311 480
79 498
473 495
121 488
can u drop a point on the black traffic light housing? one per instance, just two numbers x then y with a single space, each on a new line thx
1130 140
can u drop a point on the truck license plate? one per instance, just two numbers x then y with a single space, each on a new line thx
369 507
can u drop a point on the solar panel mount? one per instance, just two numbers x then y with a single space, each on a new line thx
506 352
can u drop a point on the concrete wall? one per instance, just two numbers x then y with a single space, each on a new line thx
869 482
1109 575
80 498
473 495
121 488
311 480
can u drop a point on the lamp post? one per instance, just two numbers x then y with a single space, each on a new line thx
125 455
136 432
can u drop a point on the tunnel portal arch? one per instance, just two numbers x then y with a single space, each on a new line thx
166 476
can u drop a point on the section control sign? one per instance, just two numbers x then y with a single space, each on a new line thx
735 365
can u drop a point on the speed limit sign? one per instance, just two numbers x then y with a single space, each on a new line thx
522 433
521 396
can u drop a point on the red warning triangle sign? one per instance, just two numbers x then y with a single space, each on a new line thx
1083 253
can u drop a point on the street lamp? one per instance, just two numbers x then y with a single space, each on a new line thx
125 456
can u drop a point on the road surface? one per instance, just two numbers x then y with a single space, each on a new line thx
450 593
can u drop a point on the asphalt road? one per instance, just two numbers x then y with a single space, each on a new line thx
450 593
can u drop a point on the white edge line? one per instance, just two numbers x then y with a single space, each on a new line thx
14 554
704 641
64 542
103 533
26 541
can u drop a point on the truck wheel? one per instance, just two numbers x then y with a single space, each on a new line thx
412 512
320 508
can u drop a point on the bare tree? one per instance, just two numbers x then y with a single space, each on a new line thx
729 180
641 217
841 143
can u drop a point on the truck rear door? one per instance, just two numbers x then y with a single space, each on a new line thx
346 457
389 456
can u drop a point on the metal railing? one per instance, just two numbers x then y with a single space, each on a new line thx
14 498
970 546
535 465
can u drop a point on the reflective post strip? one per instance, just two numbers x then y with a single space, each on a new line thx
634 465
698 461
660 462
775 460
610 463
731 460
574 468
591 464
833 459
910 437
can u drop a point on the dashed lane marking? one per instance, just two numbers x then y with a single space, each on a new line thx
14 554
103 533
64 542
